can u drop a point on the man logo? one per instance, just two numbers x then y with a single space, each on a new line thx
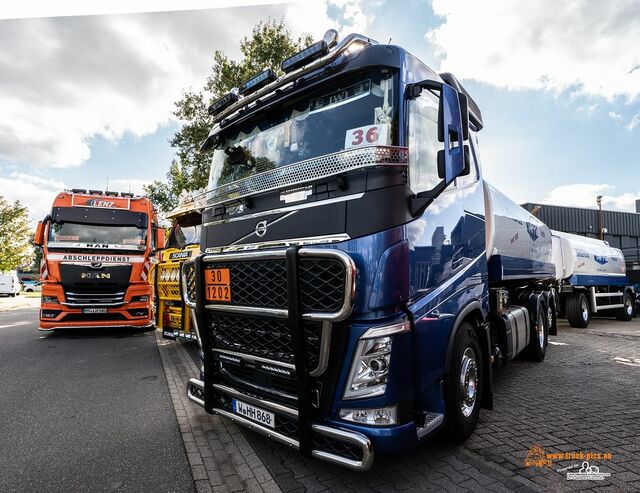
96 265
261 229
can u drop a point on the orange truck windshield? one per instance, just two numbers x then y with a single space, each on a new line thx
67 234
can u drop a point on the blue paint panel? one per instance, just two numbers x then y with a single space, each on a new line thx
582 280
504 268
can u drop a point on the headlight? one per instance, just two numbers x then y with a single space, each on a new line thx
383 416
175 275
371 361
49 299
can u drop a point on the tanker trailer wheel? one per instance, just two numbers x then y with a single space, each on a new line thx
539 338
578 311
626 312
463 388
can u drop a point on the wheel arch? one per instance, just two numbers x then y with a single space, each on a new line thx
472 313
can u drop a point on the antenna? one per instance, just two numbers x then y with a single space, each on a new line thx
389 41
107 183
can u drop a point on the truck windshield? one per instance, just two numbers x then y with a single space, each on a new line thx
357 111
70 234
181 236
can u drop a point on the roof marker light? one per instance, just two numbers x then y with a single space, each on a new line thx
224 102
301 58
260 80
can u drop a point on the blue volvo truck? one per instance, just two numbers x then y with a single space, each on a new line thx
359 280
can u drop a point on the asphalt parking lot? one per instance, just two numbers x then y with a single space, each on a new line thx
97 412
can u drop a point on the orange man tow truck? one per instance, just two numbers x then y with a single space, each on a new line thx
98 248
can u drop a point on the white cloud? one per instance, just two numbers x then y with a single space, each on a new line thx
315 17
584 195
587 47
67 80
37 193
635 121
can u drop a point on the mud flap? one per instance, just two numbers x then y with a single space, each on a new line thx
485 341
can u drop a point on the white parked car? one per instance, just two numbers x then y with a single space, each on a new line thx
29 286
9 283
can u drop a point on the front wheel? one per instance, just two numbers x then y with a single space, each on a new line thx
578 311
626 312
464 384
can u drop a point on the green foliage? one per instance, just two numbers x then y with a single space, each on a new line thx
270 43
15 236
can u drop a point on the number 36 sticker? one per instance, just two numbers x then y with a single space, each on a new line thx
369 135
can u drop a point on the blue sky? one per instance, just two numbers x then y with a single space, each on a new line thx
91 97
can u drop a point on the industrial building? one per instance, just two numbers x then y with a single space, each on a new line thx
621 229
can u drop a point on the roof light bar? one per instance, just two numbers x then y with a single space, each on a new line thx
305 56
223 102
78 190
95 192
260 80
126 194
111 194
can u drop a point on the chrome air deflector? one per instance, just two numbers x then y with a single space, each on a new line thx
304 171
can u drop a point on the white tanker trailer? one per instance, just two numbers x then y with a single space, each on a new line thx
591 278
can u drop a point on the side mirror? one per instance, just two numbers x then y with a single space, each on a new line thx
451 131
160 239
39 236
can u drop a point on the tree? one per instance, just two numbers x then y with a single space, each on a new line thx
15 235
269 44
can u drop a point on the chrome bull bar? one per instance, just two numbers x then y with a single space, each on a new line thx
195 393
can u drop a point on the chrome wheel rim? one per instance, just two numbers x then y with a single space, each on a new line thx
541 331
628 307
585 310
468 382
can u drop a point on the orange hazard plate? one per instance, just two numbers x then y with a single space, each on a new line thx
217 284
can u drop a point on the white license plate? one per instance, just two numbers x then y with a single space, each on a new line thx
254 413
94 310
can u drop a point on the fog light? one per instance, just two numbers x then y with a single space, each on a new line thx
383 416
49 299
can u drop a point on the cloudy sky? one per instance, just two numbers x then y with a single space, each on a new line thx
86 99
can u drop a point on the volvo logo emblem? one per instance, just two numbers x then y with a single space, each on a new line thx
261 229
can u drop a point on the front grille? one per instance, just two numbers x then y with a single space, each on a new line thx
258 283
263 283
279 388
264 337
75 298
321 284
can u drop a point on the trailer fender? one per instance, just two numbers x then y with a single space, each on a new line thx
473 310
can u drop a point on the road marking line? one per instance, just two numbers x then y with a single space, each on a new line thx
24 322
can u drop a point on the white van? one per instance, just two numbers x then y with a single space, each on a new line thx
9 283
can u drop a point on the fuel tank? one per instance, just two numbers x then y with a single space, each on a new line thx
519 245
588 258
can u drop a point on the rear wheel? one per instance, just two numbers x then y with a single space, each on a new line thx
539 337
626 313
464 384
578 312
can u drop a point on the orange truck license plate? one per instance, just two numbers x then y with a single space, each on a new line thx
217 284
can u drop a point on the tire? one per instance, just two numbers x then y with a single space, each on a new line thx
539 336
578 311
463 387
13 295
553 316
626 313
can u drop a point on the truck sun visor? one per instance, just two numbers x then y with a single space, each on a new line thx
99 216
